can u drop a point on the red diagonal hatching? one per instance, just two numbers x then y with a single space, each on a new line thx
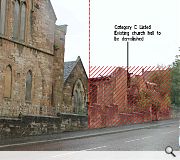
113 100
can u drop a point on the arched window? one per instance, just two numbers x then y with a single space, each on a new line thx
23 21
19 22
2 15
75 109
28 86
8 82
16 19
78 97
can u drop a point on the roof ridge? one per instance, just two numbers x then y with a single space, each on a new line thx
69 66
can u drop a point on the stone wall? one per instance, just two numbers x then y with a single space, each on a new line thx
40 24
72 122
22 58
34 54
58 67
43 25
42 53
39 125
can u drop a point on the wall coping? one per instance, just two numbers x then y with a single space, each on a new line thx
8 118
73 114
40 116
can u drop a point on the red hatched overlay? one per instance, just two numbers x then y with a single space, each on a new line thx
121 95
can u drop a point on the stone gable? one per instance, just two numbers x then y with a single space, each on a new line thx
77 74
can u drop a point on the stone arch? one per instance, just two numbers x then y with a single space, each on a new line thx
8 82
78 97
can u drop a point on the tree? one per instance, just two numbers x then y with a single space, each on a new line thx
175 94
144 101
162 78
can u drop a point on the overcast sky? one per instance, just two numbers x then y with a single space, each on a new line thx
74 13
162 15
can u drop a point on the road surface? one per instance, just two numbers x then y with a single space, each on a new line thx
148 139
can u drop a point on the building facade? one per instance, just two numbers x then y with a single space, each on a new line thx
32 50
75 88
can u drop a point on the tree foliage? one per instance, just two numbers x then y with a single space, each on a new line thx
162 78
175 96
157 92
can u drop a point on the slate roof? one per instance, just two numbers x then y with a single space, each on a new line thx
68 67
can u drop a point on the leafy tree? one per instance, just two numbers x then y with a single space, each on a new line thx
163 80
144 101
175 96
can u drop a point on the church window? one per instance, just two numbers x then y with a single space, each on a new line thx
28 86
16 19
2 15
8 82
78 97
19 22
75 102
23 21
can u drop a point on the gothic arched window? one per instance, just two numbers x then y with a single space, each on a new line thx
19 21
23 21
2 15
8 82
28 86
75 102
78 97
16 19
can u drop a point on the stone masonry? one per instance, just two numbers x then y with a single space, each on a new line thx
37 54
33 67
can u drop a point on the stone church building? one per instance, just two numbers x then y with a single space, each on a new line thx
34 80
75 87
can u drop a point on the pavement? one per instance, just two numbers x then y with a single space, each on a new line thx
32 141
